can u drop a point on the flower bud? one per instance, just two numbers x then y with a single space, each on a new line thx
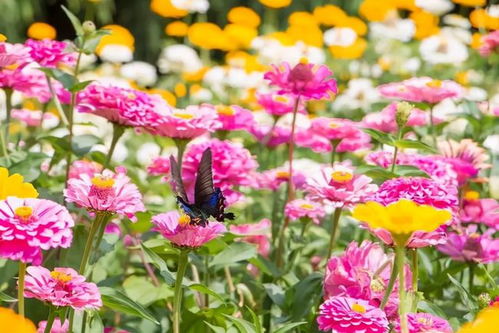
484 300
88 27
403 112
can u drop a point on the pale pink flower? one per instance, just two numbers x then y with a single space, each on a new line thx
61 287
484 211
188 123
180 232
234 118
350 315
84 167
107 192
57 327
339 186
335 129
271 136
51 53
425 323
422 89
14 55
279 105
490 43
303 208
28 226
123 106
255 233
307 81
272 179
32 118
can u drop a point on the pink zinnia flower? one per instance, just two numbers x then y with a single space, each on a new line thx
28 226
422 89
57 327
350 315
107 192
352 274
425 323
123 106
279 105
307 81
32 118
234 118
178 230
490 43
484 211
255 233
61 287
272 179
470 246
188 123
271 136
303 208
84 167
14 54
339 186
51 53
159 166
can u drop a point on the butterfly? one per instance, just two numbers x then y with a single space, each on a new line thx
208 200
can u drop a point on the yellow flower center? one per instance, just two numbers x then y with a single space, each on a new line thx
307 206
60 276
334 124
24 212
225 110
434 84
282 174
103 182
303 60
282 99
341 176
184 220
377 285
471 195
183 115
131 95
358 308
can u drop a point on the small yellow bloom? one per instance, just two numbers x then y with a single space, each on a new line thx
486 321
180 90
165 8
208 36
471 3
476 40
12 322
13 186
402 217
118 36
471 195
462 78
309 34
302 19
426 24
244 16
195 76
329 15
275 3
354 23
40 30
176 29
479 18
240 35
354 51
376 10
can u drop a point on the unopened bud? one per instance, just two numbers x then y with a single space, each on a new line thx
403 112
88 27
484 300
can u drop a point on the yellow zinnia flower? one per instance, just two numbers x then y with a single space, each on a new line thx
14 323
165 8
354 51
486 321
402 217
40 30
3 38
471 3
329 15
118 36
177 29
244 16
275 3
375 10
13 186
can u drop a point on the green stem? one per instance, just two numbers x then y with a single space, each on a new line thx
394 162
291 149
4 148
415 276
471 277
50 320
181 145
432 128
57 103
335 221
8 110
389 287
20 288
399 258
118 131
99 219
177 300
206 280
334 144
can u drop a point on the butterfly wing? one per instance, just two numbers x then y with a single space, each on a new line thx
203 189
215 206
178 184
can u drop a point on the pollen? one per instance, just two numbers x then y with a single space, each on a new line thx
358 308
183 115
434 84
341 176
184 220
307 206
333 124
282 99
471 195
103 182
60 276
24 212
225 110
282 174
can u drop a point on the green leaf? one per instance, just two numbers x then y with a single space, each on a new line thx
256 321
375 172
93 40
432 308
95 324
410 170
68 81
414 144
74 21
82 144
242 325
215 329
205 290
466 297
266 266
80 86
6 298
235 252
30 167
379 136
303 294
276 293
157 261
118 301
289 327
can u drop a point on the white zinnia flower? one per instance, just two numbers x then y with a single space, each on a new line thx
340 37
116 53
200 6
179 58
443 49
436 7
393 28
360 94
141 72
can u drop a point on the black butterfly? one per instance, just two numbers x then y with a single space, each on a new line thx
208 201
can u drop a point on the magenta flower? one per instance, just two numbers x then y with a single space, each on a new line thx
188 123
385 121
61 287
16 55
159 166
279 105
84 167
32 118
57 327
51 53
28 226
178 230
490 42
484 211
350 315
303 208
255 233
307 81
339 186
352 274
234 118
107 192
123 106
422 89
425 322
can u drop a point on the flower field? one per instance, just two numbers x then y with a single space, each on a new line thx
252 166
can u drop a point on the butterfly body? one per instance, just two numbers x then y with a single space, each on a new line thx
208 200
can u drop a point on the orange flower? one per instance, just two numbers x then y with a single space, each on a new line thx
241 35
329 15
40 30
355 24
166 9
14 323
209 36
118 36
376 10
244 16
426 24
275 3
471 3
176 29
354 51
481 19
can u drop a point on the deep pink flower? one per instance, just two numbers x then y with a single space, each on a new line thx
113 228
188 123
159 166
422 89
61 287
307 81
490 42
335 129
180 232
84 167
16 55
123 106
234 118
255 233
350 315
303 208
28 226
57 327
425 323
484 211
339 186
107 192
279 105
31 118
51 53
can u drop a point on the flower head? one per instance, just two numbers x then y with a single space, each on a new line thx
425 322
303 208
385 120
107 192
16 323
33 118
350 315
470 246
279 105
484 211
14 55
490 43
51 53
487 320
255 233
303 80
28 226
13 186
86 167
234 118
61 287
177 229
57 326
